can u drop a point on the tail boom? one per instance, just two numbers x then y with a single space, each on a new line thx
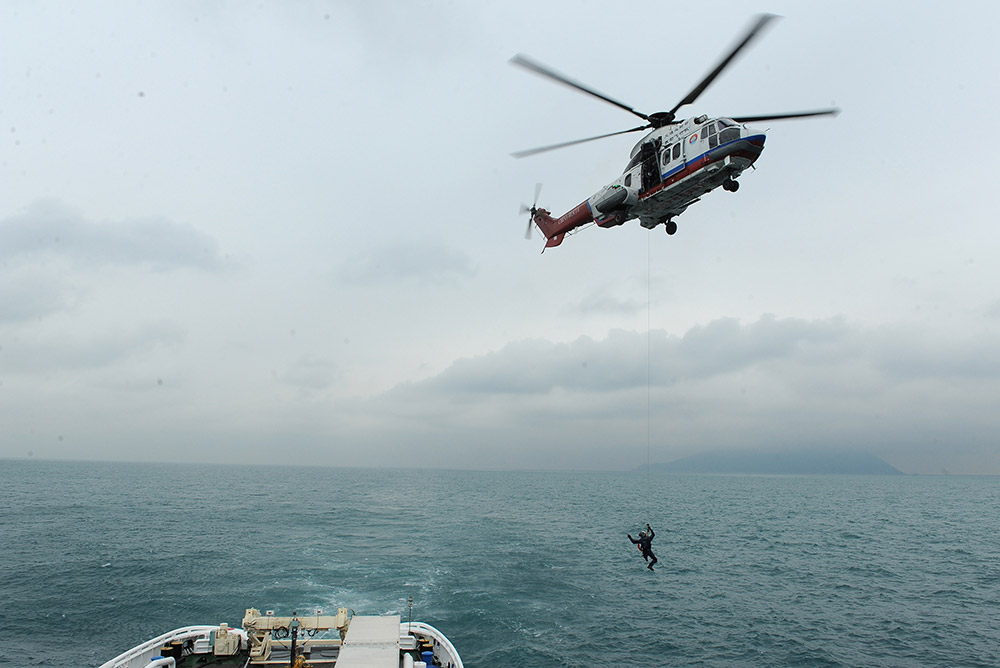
555 229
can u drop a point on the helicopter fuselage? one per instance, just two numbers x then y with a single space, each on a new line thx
674 165
671 168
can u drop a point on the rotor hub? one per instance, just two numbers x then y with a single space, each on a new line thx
661 118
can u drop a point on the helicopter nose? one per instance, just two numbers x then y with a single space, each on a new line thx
752 139
747 132
739 146
753 143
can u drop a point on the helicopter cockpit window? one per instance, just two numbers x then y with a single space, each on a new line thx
628 180
729 134
713 139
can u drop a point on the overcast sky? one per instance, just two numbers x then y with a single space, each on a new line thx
288 232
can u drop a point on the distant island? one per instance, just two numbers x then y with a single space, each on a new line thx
851 463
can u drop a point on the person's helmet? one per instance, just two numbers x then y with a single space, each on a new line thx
642 534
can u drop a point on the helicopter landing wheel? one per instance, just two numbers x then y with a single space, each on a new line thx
731 185
670 227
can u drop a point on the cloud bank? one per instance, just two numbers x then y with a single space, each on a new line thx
776 382
51 229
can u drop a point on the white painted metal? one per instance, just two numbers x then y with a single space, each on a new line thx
140 656
367 635
371 642
446 652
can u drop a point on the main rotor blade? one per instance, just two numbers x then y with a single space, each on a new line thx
762 20
552 147
538 68
778 117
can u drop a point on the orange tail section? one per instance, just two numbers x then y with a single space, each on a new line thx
555 229
549 227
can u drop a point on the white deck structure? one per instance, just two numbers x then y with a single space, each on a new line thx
371 642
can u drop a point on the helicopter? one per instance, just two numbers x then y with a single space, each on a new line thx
670 168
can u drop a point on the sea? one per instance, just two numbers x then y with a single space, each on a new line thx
517 568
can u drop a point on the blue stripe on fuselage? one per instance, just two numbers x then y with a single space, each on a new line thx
684 164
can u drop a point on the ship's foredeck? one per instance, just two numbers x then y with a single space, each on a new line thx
316 655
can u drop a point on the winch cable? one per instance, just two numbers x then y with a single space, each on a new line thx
649 358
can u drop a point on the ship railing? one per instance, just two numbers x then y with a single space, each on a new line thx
141 655
420 628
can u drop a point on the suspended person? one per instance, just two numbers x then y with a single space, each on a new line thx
643 543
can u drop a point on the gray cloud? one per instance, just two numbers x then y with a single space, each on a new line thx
28 294
775 382
917 356
245 139
620 361
602 303
311 372
423 262
51 229
725 345
74 351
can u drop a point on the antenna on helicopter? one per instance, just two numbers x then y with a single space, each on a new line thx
532 209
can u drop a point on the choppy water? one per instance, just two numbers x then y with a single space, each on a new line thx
517 568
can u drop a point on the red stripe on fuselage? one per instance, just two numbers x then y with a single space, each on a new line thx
575 217
692 167
555 228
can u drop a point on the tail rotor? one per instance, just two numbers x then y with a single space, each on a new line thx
532 210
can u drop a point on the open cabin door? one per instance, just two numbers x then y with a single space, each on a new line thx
650 168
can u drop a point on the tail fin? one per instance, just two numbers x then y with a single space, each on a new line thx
547 224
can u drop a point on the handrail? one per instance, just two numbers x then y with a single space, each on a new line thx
144 652
442 639
125 659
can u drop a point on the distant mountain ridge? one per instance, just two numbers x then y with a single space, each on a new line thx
823 462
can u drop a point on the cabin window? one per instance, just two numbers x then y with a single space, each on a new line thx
628 180
677 151
666 156
729 134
